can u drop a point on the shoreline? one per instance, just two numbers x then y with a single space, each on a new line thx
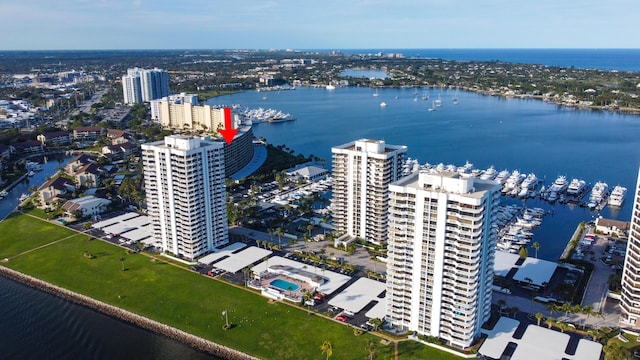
186 338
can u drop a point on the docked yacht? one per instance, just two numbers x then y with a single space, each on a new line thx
528 185
617 195
502 176
598 194
576 187
512 182
489 174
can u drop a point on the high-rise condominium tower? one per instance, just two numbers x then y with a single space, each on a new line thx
362 172
441 255
630 301
186 197
144 85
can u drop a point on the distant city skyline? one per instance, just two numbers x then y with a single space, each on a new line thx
332 24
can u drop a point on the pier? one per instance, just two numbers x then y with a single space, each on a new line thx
571 243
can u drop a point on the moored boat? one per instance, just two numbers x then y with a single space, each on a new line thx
617 195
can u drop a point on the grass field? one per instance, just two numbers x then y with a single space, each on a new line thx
180 298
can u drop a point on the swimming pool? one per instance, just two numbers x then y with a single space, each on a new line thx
284 285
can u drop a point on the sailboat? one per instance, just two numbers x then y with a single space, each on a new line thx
424 96
433 106
375 93
455 98
437 102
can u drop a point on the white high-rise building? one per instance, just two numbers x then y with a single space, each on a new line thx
630 296
131 89
362 172
145 85
441 252
186 197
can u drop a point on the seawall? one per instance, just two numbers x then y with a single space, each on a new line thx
196 342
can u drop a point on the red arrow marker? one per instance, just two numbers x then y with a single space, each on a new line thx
228 133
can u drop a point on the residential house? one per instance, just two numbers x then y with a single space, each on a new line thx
55 138
86 206
611 227
28 147
87 133
54 189
119 136
85 170
88 175
77 162
119 151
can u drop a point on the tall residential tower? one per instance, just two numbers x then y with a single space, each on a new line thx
141 85
362 172
441 252
630 300
186 197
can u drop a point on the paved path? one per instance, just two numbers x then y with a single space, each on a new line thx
598 285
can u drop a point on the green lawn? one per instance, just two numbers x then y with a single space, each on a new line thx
183 299
411 350
21 233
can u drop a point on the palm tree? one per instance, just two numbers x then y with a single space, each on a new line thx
279 233
122 259
549 322
566 307
536 246
327 347
539 317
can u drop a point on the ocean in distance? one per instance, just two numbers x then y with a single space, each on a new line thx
515 134
605 59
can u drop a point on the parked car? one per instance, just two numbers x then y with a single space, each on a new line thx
341 318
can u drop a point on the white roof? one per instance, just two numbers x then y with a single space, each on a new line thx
220 253
378 311
504 262
138 233
530 346
499 337
114 220
537 343
588 350
538 270
235 262
358 295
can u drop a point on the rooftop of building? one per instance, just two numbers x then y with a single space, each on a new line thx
371 146
448 182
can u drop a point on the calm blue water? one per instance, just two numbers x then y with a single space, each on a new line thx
369 74
284 285
607 59
36 325
528 135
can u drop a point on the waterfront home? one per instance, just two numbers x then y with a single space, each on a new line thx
55 138
119 151
29 147
612 227
87 133
86 206
54 189
119 136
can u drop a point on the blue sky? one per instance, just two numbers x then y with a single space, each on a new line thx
326 24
